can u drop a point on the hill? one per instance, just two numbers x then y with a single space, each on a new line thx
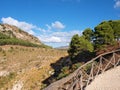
23 63
16 32
12 35
63 47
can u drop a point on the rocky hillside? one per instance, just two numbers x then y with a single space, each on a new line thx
16 32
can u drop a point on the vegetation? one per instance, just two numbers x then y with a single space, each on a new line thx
79 44
6 40
83 48
88 33
29 64
105 34
64 72
5 79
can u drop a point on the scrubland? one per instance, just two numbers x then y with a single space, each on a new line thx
24 68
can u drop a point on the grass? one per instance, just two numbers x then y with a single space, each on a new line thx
6 79
30 64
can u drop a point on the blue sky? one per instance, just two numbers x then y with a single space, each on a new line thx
54 22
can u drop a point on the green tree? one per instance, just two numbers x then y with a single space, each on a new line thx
103 34
116 27
79 44
88 33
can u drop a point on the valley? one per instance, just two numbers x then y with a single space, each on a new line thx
26 67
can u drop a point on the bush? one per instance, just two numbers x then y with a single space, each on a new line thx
76 66
64 72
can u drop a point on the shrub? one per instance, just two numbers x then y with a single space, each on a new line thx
76 66
64 72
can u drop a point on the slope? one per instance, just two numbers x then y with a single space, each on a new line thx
26 67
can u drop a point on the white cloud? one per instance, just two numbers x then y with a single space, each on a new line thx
58 25
46 34
51 39
117 4
23 25
58 37
67 33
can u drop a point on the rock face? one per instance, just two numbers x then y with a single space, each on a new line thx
14 31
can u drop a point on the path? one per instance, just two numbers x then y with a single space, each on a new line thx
109 80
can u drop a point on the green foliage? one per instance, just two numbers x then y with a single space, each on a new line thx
104 34
88 33
7 40
3 36
74 45
64 72
76 66
79 44
116 27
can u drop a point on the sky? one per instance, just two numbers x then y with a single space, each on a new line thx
54 22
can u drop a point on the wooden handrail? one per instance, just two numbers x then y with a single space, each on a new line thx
71 83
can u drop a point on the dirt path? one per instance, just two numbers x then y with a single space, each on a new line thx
110 80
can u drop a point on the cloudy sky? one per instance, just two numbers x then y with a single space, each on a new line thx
54 22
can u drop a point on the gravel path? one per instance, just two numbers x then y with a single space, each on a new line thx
109 80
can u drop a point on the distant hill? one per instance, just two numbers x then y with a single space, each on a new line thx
63 47
15 32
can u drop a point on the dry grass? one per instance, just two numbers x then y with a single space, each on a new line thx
31 65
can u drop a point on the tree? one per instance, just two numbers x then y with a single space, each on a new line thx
79 44
88 33
116 27
103 34
74 46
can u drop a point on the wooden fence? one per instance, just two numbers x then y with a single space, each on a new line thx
85 74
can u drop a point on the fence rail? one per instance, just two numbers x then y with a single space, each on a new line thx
85 74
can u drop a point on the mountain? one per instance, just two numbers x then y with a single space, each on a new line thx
63 47
15 32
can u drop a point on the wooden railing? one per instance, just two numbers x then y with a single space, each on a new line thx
85 74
